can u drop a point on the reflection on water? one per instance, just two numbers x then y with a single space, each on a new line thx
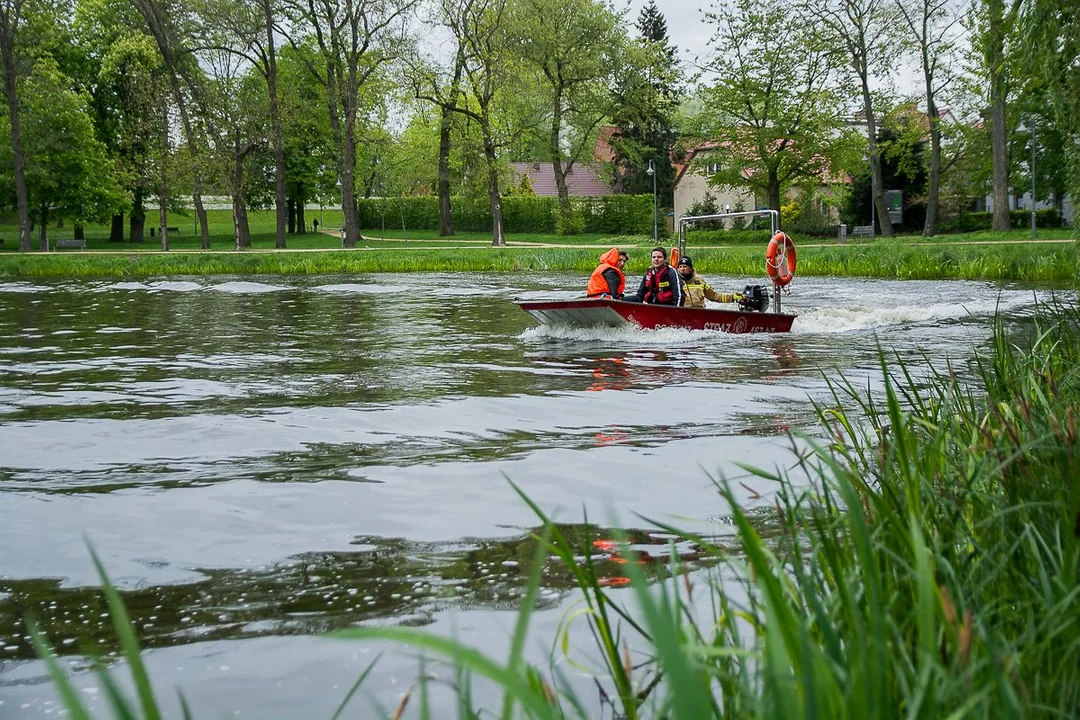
276 458
320 592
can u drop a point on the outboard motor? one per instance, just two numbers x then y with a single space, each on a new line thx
755 298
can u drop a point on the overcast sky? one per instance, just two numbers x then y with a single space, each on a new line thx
688 31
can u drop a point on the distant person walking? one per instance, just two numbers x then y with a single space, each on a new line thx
315 224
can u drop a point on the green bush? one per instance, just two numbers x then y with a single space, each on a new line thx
979 221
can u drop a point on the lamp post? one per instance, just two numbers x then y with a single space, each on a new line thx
1032 120
651 172
341 192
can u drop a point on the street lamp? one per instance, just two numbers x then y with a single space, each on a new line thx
1031 118
341 192
651 172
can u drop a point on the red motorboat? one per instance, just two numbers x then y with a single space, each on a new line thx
597 312
751 317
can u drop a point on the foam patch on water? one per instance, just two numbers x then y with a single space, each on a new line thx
364 289
627 335
238 287
861 317
22 287
175 286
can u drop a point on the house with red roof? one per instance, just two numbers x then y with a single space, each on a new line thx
583 180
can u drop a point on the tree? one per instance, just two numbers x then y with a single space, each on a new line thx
11 21
248 29
771 110
931 24
865 31
68 171
355 39
1052 29
125 78
646 98
168 22
311 156
236 128
442 88
995 25
573 44
481 32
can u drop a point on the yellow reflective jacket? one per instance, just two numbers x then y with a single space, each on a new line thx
695 290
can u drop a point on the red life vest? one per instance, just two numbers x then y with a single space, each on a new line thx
658 287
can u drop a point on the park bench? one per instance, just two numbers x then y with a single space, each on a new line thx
172 230
69 243
864 230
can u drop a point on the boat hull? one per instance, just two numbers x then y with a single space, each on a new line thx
595 312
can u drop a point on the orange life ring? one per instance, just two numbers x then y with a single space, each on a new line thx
780 259
673 257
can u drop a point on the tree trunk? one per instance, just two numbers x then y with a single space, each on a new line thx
934 191
138 219
22 202
999 148
875 161
163 215
446 219
43 227
348 169
275 127
116 230
301 218
497 239
774 190
290 207
555 149
242 231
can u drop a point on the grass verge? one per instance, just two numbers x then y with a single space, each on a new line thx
1002 262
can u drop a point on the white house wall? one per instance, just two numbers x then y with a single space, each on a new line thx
692 188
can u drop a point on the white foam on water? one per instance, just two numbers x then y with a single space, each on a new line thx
627 335
887 312
116 330
22 287
363 289
120 286
175 286
238 287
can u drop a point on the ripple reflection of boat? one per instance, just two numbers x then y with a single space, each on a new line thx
640 553
610 373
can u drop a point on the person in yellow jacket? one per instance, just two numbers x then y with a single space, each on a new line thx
696 290
608 280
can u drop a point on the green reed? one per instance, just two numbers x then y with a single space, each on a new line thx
920 561
892 260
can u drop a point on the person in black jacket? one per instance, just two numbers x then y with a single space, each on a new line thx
661 284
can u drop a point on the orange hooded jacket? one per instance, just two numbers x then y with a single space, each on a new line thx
600 282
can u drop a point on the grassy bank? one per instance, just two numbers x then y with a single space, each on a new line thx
920 560
894 260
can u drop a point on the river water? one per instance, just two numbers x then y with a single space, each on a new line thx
259 462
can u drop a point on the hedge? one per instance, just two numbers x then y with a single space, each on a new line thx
609 214
977 221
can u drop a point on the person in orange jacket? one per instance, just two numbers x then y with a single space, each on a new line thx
608 280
